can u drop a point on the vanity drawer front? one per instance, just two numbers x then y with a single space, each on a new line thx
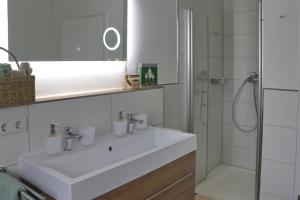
181 190
154 182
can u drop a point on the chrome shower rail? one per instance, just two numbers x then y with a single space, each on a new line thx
28 193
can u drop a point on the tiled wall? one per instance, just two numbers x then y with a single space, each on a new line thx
92 111
279 144
215 13
239 149
174 108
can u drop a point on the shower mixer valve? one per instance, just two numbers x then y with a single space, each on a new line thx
253 78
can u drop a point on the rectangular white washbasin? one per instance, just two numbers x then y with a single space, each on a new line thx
88 172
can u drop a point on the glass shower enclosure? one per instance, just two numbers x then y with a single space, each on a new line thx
196 37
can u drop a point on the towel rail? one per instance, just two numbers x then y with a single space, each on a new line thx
28 193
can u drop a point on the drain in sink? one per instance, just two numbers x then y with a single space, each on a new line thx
110 148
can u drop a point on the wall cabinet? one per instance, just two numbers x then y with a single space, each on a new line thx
281 43
279 144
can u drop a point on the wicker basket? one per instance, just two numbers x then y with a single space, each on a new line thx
15 91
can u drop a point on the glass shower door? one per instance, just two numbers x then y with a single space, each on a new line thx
197 62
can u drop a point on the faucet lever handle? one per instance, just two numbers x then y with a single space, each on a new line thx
68 130
130 116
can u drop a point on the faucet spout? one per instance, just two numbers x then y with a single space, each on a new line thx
68 139
131 121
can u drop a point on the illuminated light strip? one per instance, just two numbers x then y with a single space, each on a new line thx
76 94
132 35
63 79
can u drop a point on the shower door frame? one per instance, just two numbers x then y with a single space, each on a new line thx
189 17
260 99
190 102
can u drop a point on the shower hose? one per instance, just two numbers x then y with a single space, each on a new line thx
252 80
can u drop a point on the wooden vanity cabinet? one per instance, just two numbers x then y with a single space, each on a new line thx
174 181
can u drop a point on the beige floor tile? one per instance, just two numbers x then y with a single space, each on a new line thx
200 197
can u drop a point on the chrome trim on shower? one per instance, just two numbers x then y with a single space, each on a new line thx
190 100
260 100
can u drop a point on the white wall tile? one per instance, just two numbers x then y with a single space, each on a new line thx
216 67
214 137
182 122
240 23
234 137
239 157
279 144
277 179
202 144
215 94
170 99
200 44
239 5
215 45
215 114
216 21
215 4
182 69
244 46
246 115
214 158
94 111
182 97
171 121
149 102
12 146
264 196
280 108
13 112
182 44
200 164
231 88
239 68
240 52
200 21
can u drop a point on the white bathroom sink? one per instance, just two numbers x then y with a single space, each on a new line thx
88 172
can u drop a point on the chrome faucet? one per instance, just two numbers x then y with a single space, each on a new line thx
68 138
131 121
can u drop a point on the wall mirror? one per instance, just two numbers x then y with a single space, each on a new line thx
67 30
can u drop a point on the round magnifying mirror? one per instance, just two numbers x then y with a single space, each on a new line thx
111 39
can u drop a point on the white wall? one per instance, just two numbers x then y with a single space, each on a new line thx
97 111
152 36
239 149
280 166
